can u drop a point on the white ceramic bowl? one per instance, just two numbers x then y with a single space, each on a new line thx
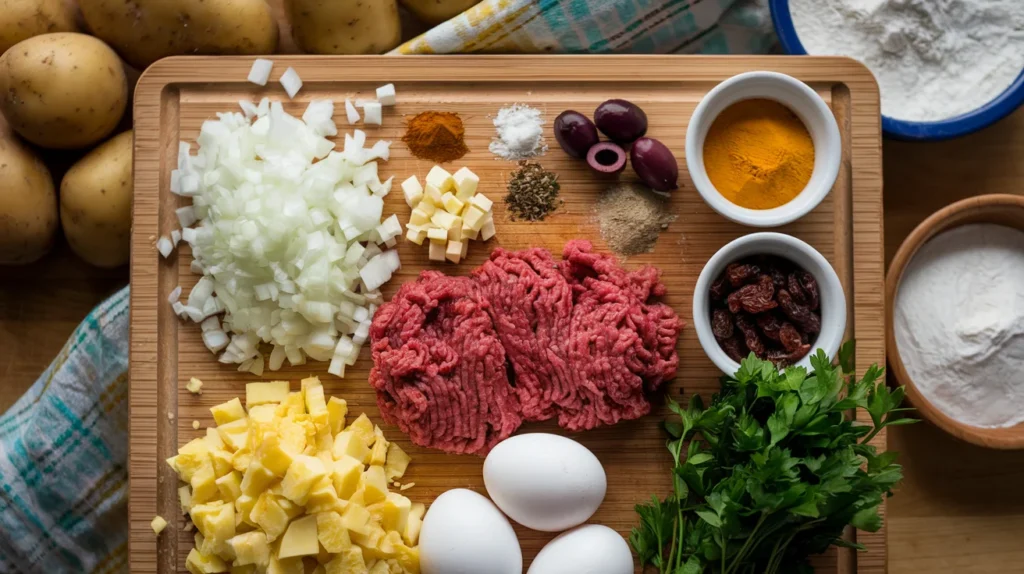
806 104
833 300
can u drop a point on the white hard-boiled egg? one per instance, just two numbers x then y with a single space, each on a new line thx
587 549
544 481
463 533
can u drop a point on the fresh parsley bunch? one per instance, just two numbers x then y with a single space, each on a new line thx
772 470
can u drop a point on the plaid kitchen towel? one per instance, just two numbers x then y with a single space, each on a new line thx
63 446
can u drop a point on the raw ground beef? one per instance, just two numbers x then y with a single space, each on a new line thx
439 369
582 340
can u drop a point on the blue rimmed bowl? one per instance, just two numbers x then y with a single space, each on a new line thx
1009 100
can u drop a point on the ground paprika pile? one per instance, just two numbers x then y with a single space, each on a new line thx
436 136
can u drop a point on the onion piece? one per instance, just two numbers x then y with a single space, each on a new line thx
292 83
175 295
372 114
260 71
351 113
164 246
386 95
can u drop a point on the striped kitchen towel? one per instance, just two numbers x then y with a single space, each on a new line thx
63 446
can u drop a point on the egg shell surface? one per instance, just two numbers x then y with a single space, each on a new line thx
587 549
464 533
544 481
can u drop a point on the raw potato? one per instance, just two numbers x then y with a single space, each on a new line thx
28 204
62 90
344 27
22 19
143 31
437 11
96 203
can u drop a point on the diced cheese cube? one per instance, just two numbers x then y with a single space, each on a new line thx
331 531
473 218
455 232
487 230
158 524
437 235
454 251
251 548
348 443
440 179
416 235
194 386
436 252
300 539
197 563
427 207
356 518
466 183
433 196
269 516
451 203
443 219
375 485
228 412
336 411
396 463
304 472
363 428
230 485
419 217
468 233
396 512
262 393
412 191
346 473
386 95
480 200
465 250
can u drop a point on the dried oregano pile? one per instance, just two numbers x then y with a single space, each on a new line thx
532 192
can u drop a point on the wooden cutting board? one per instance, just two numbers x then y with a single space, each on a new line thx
176 95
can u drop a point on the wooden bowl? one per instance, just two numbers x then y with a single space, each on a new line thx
1000 209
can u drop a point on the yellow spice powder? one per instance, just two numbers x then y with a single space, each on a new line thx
758 154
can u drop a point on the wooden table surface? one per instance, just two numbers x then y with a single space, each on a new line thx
960 509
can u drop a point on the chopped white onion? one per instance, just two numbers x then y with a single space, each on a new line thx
351 113
175 295
260 71
291 82
386 95
164 246
175 237
372 114
186 215
248 108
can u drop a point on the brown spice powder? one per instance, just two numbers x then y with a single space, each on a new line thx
631 217
436 136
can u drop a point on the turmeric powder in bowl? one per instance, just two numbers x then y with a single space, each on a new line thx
758 154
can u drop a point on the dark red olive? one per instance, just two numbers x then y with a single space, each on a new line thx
606 157
655 164
575 133
621 121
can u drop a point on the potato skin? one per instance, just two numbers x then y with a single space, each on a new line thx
143 31
437 11
96 203
22 19
344 27
28 204
62 90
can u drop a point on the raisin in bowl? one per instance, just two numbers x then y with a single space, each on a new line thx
771 294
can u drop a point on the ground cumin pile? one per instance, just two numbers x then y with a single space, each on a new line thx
436 136
631 217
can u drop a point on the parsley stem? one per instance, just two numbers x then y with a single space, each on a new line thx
746 544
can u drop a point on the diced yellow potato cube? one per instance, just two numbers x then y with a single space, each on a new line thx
336 411
256 479
356 518
197 563
300 539
273 456
473 218
195 446
263 413
346 475
221 462
369 541
436 252
480 200
358 497
322 557
323 496
243 507
324 442
332 533
440 178
304 472
412 191
194 386
397 462
251 548
437 235
215 520
316 405
363 428
379 567
285 565
213 439
227 412
350 561
468 233
211 547
269 516
204 483
247 569
451 203
185 497
289 507
466 183
417 236
310 382
411 533
396 512
348 442
379 452
453 252
408 558
241 460
487 231
375 486
442 219
263 393
418 509
158 524
186 465
234 434
293 405
230 485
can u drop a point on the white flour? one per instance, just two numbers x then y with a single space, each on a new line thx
959 324
520 133
933 59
